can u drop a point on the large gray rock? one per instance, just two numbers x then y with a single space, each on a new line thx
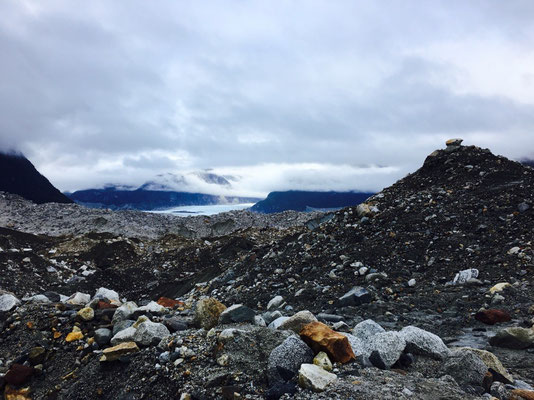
8 302
121 325
124 312
365 330
354 297
237 313
111 295
150 332
314 377
125 335
285 360
359 348
514 338
465 367
297 321
387 348
419 341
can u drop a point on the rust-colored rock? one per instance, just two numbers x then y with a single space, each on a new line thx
169 303
321 338
104 305
492 316
11 393
521 394
18 374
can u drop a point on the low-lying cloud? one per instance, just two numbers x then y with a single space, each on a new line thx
286 95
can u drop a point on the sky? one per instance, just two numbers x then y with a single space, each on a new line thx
294 94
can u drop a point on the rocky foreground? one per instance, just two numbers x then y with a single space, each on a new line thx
423 292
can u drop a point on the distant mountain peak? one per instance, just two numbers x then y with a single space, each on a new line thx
19 176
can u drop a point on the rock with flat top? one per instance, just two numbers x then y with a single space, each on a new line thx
315 378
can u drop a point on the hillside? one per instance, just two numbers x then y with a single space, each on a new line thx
304 201
420 289
19 176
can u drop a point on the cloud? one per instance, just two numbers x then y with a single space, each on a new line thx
294 92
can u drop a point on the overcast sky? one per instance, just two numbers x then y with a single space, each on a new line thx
343 95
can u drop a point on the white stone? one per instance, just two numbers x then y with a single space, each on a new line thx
275 303
150 333
419 341
103 293
79 299
463 276
314 377
8 302
277 322
153 307
412 282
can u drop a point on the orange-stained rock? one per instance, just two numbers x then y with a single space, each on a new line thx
11 393
72 336
116 352
103 305
321 338
492 316
521 394
169 303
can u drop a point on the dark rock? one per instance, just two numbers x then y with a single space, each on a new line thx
279 389
355 297
18 374
237 313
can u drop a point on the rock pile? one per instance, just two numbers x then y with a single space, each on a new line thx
424 290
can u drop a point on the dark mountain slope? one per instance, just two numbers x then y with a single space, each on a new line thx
304 200
19 176
141 199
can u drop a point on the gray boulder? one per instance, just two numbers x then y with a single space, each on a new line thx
365 330
126 311
466 368
8 302
237 313
126 335
102 336
385 349
419 341
285 360
149 333
120 326
277 322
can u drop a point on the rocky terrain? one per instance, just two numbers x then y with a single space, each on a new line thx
423 292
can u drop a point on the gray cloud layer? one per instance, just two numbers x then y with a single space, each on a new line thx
97 92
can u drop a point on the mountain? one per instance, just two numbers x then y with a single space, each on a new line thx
142 199
19 176
305 201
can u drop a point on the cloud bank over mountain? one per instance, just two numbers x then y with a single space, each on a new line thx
285 95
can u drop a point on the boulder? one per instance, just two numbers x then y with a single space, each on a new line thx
122 325
491 361
321 338
387 348
465 367
315 378
492 316
125 335
237 313
152 307
115 352
18 374
354 297
514 338
8 302
207 312
124 312
419 341
358 346
102 336
296 322
365 330
149 333
287 358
